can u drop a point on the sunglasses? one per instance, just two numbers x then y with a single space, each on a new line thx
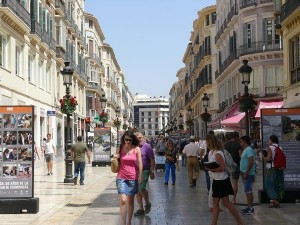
128 139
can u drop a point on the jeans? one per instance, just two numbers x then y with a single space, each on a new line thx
207 178
170 166
79 167
183 160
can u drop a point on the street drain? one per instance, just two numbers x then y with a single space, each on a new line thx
78 205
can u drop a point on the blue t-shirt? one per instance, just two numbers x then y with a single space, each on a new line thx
248 152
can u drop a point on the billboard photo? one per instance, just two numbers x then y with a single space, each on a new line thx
284 123
16 145
102 144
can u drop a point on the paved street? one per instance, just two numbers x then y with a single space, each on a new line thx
96 203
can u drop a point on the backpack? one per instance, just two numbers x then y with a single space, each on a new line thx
279 159
230 165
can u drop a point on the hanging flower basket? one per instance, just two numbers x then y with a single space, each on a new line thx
180 127
189 122
205 116
125 126
247 103
117 123
103 117
68 105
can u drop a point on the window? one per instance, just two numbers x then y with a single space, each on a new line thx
18 61
207 19
2 51
31 68
213 18
149 119
254 80
274 77
270 36
40 75
149 113
90 24
48 80
249 34
142 113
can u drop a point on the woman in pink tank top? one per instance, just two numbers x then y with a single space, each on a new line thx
129 175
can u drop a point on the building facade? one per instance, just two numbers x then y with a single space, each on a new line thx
150 114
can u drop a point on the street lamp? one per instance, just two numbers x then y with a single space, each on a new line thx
67 73
118 123
205 101
245 71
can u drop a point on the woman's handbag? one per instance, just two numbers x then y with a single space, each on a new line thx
115 165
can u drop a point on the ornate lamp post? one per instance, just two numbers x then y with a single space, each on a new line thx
67 73
117 123
125 126
205 116
180 121
190 119
245 71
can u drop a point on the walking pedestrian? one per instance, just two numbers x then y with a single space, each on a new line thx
183 143
129 175
148 160
49 154
234 147
172 156
221 186
274 177
247 168
78 152
192 151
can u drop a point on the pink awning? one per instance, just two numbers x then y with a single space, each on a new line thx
268 105
234 120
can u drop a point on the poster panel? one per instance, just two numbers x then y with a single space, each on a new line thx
16 152
284 123
102 144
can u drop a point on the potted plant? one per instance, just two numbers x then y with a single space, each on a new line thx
189 122
205 116
125 126
68 105
247 103
103 117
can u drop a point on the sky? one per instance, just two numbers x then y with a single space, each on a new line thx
149 38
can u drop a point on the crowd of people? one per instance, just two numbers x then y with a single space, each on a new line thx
137 164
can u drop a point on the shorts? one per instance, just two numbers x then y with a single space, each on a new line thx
145 178
221 188
236 173
248 182
127 187
49 157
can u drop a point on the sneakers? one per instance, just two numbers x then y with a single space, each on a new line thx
248 211
75 180
140 212
147 208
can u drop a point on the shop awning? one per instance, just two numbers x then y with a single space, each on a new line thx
228 112
234 120
268 105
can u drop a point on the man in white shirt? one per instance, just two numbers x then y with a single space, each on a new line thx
49 153
192 151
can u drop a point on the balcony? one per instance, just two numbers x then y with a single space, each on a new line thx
226 63
272 91
60 52
95 58
36 28
258 47
295 76
247 3
60 7
233 12
265 1
17 9
288 8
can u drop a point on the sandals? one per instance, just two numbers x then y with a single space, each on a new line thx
274 204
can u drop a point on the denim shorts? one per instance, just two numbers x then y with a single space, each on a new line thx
248 182
127 187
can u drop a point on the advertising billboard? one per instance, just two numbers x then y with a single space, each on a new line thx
16 152
284 123
102 144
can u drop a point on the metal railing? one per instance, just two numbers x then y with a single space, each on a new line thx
295 76
272 91
60 52
36 28
288 8
261 46
247 3
18 9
